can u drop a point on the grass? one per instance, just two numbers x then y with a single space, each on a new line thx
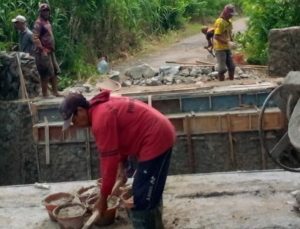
149 45
172 37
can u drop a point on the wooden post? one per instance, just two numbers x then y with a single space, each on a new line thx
190 144
262 151
150 100
88 153
230 139
22 90
47 141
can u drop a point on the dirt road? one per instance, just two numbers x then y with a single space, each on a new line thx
188 50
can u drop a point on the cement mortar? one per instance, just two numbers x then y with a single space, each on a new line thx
69 162
212 153
239 200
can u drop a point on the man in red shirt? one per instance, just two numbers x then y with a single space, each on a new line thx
45 47
125 127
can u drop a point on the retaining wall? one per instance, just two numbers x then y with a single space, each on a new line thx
211 154
17 148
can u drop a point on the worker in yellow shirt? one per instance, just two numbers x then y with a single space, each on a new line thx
223 42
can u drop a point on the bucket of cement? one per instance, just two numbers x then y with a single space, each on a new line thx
238 58
90 203
127 198
109 84
110 214
70 216
86 192
99 182
56 199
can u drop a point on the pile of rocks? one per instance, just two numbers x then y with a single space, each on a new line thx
145 75
10 77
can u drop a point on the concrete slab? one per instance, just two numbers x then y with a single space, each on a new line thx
218 200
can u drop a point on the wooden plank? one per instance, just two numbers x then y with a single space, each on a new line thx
239 123
184 63
201 123
178 124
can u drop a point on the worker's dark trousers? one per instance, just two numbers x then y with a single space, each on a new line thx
225 62
148 185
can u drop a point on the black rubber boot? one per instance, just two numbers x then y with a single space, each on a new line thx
231 75
147 219
221 76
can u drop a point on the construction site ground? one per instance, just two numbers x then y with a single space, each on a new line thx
189 51
258 199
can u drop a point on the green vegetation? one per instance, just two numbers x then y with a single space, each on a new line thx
85 30
265 15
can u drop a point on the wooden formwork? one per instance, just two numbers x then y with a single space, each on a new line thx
199 123
222 122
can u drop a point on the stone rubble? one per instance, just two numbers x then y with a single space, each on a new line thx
10 79
145 75
284 51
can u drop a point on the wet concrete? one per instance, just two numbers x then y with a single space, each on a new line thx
216 200
210 153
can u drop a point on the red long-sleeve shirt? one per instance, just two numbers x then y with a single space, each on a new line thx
123 126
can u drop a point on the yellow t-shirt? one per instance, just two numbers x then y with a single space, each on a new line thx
223 28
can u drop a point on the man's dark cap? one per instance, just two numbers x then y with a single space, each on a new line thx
69 106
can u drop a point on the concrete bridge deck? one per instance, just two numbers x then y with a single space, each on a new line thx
216 200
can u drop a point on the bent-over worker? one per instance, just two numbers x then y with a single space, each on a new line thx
125 127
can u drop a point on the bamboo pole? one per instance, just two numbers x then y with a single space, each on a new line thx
185 63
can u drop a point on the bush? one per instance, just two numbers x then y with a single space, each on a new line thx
84 30
265 15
